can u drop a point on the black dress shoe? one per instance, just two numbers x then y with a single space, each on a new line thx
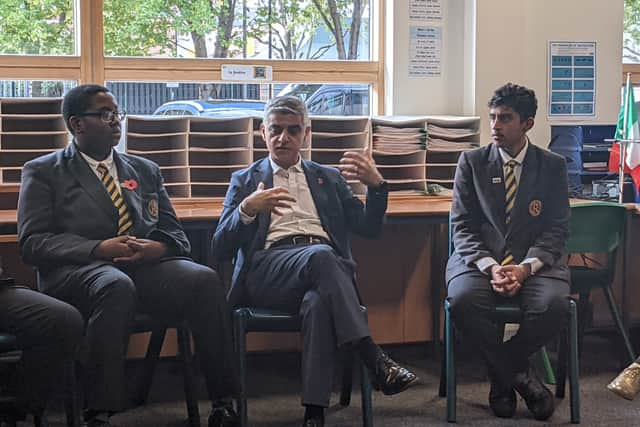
313 422
223 416
390 377
502 400
538 398
98 420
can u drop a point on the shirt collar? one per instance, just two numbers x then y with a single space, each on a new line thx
506 157
108 162
295 168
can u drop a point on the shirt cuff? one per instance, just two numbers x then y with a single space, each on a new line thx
535 264
484 263
244 217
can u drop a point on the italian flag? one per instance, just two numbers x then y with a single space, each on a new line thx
627 129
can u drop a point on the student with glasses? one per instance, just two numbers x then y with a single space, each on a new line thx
100 228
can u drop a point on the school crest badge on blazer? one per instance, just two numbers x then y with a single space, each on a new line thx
152 207
535 207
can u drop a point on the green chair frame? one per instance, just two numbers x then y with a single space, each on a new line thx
511 313
249 319
597 227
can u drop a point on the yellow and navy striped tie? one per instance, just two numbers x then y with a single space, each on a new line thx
124 220
511 188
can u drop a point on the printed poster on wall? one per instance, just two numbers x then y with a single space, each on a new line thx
425 10
425 51
572 80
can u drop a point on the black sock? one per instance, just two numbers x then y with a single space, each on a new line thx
369 352
314 411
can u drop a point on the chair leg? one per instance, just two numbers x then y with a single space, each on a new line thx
583 312
563 358
574 370
40 421
442 388
184 344
450 365
347 378
618 319
549 376
365 391
73 405
149 366
239 341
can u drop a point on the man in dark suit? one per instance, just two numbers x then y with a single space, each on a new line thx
100 227
47 331
510 218
287 221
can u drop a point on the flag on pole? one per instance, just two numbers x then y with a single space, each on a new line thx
629 129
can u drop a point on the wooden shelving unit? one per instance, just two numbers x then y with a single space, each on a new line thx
449 136
163 141
29 128
403 168
197 155
331 137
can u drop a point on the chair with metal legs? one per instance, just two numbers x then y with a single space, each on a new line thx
248 319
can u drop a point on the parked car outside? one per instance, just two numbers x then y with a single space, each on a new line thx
211 108
321 100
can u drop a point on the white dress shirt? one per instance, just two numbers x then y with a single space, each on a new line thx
109 164
302 217
536 264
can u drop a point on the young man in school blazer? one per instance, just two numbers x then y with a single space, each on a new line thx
510 219
100 228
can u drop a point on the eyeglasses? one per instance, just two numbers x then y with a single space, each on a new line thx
106 116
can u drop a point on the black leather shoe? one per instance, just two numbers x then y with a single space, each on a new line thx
313 422
223 416
390 377
502 401
97 419
538 398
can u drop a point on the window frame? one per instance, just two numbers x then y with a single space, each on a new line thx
91 66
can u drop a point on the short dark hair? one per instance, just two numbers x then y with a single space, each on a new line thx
78 101
521 99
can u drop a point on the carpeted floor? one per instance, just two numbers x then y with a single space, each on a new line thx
274 395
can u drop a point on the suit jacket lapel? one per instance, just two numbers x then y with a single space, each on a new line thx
131 197
88 180
317 182
526 185
263 173
497 191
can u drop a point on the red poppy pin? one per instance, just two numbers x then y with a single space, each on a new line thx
129 184
320 181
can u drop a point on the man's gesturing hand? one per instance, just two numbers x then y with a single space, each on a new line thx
270 200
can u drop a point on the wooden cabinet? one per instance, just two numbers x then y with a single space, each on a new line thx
29 128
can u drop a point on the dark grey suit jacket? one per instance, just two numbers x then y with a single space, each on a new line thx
64 211
340 211
539 221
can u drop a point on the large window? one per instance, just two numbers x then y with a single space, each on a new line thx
37 27
258 29
327 51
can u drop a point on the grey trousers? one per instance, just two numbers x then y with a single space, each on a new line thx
314 281
48 332
171 289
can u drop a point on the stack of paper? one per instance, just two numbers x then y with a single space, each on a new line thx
389 139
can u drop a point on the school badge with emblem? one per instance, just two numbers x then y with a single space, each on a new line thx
535 207
152 207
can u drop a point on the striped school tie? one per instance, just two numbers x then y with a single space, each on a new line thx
124 220
511 188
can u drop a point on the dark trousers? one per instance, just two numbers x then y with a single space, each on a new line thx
314 281
171 289
543 301
47 332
